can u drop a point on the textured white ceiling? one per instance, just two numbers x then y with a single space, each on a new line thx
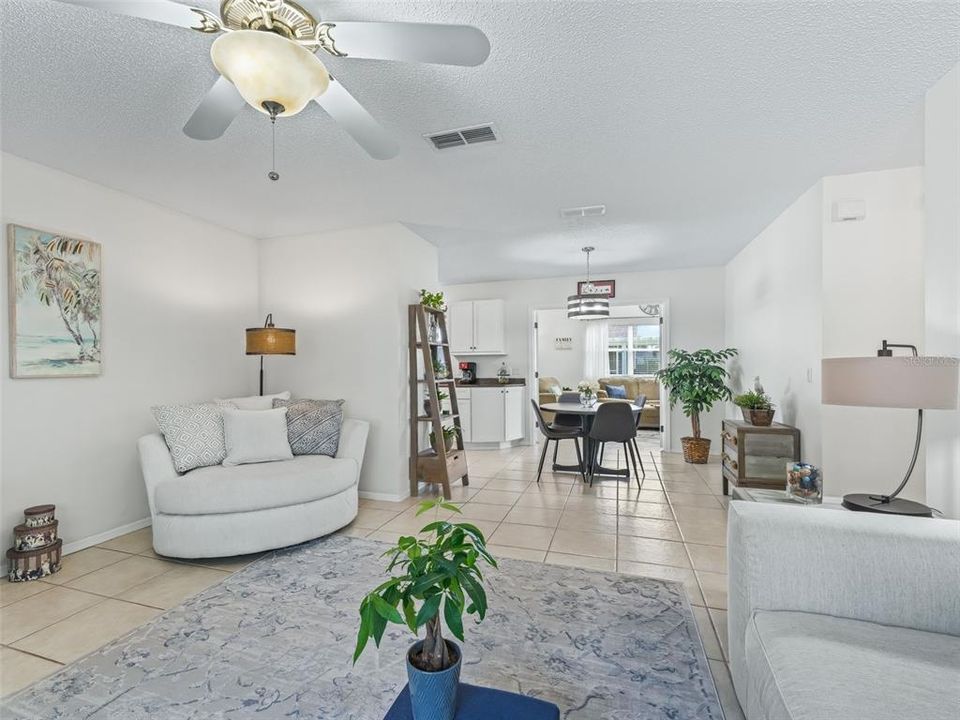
695 122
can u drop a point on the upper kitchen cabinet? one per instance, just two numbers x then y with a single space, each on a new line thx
477 327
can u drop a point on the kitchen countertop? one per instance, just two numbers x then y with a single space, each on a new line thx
491 382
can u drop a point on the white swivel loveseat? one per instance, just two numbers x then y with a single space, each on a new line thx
233 510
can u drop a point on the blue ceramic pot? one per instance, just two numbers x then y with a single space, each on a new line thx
433 695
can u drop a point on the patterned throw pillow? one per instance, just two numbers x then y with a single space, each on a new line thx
194 434
313 426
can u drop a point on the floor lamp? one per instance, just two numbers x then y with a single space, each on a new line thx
915 382
270 340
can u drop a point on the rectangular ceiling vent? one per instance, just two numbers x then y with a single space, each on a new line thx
584 211
460 137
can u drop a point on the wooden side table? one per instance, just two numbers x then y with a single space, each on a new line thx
755 456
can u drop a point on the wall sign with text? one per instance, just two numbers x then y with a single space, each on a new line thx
600 288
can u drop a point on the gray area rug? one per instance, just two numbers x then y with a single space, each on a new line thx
275 641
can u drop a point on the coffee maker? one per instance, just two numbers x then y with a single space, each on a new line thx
468 373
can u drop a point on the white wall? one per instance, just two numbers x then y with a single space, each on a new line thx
177 294
696 318
773 316
872 290
346 293
809 287
942 276
565 365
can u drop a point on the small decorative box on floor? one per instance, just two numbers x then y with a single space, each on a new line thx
478 703
36 548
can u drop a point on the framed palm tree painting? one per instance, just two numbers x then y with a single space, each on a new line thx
54 304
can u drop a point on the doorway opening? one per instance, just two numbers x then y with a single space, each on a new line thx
624 351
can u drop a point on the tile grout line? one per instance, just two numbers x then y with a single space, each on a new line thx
31 653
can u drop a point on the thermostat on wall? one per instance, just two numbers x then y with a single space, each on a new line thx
849 210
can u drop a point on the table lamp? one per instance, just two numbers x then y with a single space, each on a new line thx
270 340
915 382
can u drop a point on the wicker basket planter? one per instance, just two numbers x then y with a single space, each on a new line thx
34 564
695 450
26 537
759 418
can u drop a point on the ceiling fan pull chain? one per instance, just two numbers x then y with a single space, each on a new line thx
273 174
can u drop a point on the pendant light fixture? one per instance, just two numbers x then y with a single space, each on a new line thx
588 304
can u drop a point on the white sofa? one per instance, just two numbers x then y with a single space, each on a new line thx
219 511
835 615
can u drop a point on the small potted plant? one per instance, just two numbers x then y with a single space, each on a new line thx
440 370
756 407
438 569
441 396
449 438
434 301
697 380
588 390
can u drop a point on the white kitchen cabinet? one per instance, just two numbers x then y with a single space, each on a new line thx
486 421
513 413
477 327
460 327
465 402
495 414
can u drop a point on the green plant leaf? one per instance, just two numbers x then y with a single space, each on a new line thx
428 610
452 616
422 584
426 506
366 627
386 610
409 615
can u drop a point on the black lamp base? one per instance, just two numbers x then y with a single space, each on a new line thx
860 502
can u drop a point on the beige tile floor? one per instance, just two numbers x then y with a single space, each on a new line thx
99 594
673 527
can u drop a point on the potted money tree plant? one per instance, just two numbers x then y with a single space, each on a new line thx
435 580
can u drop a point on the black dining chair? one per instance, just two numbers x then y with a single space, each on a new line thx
639 402
552 431
566 419
615 423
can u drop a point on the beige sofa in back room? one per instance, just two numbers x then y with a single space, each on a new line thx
636 386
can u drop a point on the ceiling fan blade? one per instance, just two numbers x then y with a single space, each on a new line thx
409 42
162 11
215 112
359 124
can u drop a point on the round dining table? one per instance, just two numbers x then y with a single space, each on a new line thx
586 413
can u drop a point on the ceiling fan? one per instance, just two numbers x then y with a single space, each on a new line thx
267 55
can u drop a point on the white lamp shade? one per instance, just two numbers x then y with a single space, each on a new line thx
893 382
265 66
587 307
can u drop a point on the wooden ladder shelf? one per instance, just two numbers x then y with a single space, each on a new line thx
442 464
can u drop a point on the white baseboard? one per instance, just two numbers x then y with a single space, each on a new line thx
86 542
389 497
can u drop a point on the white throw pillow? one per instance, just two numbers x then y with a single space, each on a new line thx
253 402
254 436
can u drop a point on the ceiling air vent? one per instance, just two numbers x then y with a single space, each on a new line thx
583 211
463 136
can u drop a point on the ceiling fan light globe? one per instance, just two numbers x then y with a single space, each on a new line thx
266 67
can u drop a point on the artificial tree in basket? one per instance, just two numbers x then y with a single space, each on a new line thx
434 575
697 380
